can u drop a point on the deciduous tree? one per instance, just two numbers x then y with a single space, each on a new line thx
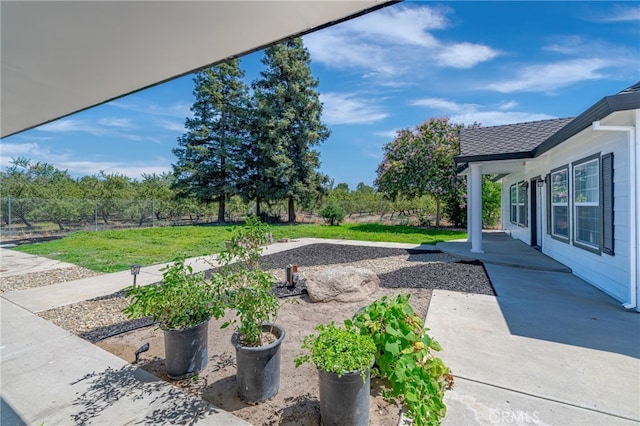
420 162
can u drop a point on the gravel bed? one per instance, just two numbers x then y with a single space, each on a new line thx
99 318
44 278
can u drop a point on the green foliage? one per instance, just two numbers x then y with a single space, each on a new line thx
181 300
287 126
491 200
338 350
210 155
404 356
420 161
332 213
248 289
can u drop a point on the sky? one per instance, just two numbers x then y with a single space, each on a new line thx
489 62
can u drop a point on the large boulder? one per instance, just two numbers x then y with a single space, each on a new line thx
342 284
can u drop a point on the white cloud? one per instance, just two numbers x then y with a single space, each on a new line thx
395 41
486 115
507 105
389 134
173 126
72 125
442 105
497 118
620 13
549 77
465 55
125 123
401 25
346 108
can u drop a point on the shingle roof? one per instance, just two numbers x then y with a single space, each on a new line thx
517 138
529 140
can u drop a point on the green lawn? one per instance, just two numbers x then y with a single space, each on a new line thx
116 250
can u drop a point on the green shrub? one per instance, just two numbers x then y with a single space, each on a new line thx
181 300
404 357
248 289
332 213
338 350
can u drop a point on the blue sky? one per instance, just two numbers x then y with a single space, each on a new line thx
490 62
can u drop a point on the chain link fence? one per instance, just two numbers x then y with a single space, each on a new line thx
20 216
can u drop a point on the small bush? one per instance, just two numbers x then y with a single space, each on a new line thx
332 213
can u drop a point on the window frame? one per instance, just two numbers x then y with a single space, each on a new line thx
522 188
559 237
575 205
513 204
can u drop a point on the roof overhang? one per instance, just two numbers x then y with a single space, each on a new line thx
610 108
59 57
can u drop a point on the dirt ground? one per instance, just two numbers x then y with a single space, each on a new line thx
297 400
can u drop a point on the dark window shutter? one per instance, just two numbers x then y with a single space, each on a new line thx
607 203
547 184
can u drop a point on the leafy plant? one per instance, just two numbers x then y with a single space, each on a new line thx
404 356
332 213
248 289
181 300
338 350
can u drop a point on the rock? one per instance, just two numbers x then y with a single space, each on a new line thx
342 284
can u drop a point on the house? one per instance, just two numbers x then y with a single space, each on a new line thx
569 187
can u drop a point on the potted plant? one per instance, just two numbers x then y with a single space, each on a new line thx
182 304
344 358
249 292
404 357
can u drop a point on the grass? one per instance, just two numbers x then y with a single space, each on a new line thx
117 250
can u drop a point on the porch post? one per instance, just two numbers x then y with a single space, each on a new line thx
469 204
476 207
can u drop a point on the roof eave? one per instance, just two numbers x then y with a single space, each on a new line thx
493 157
600 110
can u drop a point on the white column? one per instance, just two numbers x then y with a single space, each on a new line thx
469 228
476 207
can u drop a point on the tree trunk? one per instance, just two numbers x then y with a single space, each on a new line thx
258 206
25 221
292 211
221 207
437 212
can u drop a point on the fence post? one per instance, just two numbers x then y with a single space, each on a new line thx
9 212
95 211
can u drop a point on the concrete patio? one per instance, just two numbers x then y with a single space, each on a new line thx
549 349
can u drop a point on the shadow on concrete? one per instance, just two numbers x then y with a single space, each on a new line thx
106 388
562 308
9 417
541 299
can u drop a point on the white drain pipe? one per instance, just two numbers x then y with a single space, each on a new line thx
634 184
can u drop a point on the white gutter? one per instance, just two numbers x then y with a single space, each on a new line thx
634 183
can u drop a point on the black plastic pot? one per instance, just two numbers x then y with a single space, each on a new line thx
186 350
344 400
258 368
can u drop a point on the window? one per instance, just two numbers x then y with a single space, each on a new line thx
522 203
518 204
586 203
560 203
514 204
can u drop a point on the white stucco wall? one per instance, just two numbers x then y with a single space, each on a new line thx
610 273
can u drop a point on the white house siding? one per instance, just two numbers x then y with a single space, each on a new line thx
609 273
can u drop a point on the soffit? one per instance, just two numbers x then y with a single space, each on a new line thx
59 57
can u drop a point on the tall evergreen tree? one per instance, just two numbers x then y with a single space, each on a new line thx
210 153
287 126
